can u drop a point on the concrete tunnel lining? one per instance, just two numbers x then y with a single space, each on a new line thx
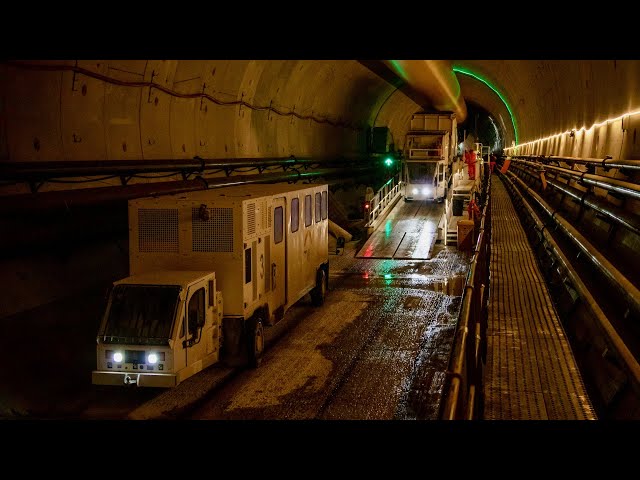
53 115
337 101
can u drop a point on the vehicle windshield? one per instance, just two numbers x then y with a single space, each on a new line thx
141 313
421 172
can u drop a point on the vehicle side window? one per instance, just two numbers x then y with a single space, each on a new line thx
247 265
278 225
318 209
196 311
325 209
307 210
295 214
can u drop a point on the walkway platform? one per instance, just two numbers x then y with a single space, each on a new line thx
531 373
408 233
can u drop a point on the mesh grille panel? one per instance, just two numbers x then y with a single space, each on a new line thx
251 219
215 234
158 230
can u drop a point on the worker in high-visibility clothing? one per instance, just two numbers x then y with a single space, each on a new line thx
473 210
470 159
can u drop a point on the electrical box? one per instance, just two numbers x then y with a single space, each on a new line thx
465 234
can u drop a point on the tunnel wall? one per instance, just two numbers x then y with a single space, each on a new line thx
134 110
568 108
554 96
394 110
71 115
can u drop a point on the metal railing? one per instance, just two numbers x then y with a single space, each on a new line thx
462 398
628 189
607 162
613 213
546 242
383 201
617 280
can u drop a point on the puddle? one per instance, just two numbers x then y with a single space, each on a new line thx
452 286
449 286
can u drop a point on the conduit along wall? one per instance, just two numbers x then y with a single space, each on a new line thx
599 305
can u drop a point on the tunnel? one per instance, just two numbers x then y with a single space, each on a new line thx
81 139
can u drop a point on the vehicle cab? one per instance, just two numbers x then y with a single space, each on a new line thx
159 328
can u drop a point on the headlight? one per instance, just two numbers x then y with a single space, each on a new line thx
414 191
425 191
152 358
117 357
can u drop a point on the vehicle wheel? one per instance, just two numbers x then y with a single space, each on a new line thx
320 290
255 341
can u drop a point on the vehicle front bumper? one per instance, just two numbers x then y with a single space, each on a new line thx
101 377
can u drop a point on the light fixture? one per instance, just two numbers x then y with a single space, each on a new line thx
630 113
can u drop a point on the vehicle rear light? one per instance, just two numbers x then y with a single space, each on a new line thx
108 354
160 356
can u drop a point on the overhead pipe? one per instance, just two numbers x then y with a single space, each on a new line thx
626 288
25 171
63 200
628 358
434 79
67 217
627 189
605 163
617 215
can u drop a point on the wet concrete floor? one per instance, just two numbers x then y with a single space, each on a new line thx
377 349
408 232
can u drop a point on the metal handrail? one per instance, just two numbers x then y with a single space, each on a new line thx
628 189
615 214
604 266
464 379
606 162
630 362
383 199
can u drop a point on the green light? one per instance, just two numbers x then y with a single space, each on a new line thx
388 228
399 69
388 161
387 276
474 75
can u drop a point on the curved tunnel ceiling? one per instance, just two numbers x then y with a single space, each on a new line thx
477 92
552 96
175 109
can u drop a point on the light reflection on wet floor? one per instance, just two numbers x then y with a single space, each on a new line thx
417 303
377 349
447 285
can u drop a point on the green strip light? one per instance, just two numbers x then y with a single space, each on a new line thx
399 69
474 75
